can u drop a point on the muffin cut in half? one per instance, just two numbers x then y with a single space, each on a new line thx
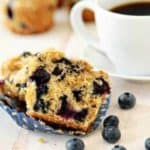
60 91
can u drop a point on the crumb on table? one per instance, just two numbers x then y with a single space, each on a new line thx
42 140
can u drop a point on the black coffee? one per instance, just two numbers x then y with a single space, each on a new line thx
137 9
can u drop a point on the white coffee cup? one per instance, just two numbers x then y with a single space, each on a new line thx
125 39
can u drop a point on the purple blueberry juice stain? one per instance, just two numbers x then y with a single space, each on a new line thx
67 112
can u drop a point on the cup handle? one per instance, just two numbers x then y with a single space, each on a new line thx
79 26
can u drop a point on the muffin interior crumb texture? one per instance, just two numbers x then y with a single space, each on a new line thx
56 89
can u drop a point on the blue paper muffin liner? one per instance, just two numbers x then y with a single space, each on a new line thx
32 124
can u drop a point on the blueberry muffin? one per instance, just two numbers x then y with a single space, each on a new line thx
15 75
60 91
29 16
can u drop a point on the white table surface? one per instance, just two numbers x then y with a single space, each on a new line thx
134 123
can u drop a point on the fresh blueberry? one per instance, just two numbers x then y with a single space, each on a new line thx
111 121
147 144
127 100
111 134
75 144
119 147
40 76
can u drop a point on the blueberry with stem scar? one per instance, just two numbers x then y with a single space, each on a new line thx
127 100
75 144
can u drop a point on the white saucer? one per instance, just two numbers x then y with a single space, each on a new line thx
100 61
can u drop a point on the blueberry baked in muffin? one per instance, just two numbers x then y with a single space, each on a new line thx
60 91
29 16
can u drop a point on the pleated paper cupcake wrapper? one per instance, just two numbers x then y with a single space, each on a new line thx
32 124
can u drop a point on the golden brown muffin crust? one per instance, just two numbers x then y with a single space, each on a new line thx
29 16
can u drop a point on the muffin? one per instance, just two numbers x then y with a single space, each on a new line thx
60 91
15 75
29 16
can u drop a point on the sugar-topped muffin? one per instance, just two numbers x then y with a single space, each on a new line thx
29 16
